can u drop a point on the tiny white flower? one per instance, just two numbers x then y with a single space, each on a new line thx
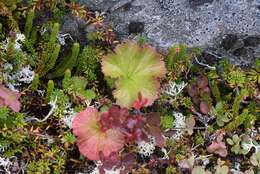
17 45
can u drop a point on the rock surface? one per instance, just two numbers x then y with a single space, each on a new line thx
194 22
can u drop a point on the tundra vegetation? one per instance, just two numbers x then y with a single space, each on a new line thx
105 105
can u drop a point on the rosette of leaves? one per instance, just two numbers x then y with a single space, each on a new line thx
235 143
167 121
137 70
236 78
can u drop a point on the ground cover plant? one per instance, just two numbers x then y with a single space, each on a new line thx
109 106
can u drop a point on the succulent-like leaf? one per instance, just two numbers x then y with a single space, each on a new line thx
91 140
137 69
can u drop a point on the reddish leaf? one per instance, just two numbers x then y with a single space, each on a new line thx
91 139
204 108
202 81
218 148
153 128
192 91
140 102
10 99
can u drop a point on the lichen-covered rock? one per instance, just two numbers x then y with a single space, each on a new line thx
195 22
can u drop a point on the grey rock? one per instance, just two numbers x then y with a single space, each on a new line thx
103 5
241 50
194 22
75 27
199 2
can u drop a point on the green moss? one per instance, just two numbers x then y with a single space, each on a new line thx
178 60
215 90
236 78
239 98
245 119
167 121
88 64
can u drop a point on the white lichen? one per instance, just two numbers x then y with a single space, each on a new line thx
13 80
146 148
19 38
179 124
43 30
251 144
165 156
25 75
69 115
6 164
173 89
53 105
62 38
111 171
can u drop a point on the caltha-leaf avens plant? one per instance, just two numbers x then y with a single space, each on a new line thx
137 70
102 136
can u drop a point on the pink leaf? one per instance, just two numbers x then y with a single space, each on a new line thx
91 139
218 148
10 99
